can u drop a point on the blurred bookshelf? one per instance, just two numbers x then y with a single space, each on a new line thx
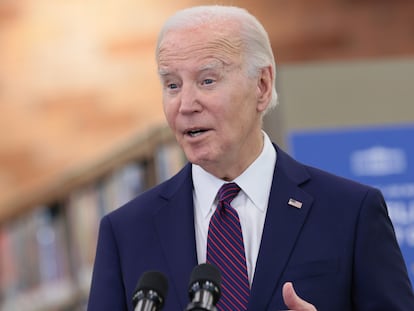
47 250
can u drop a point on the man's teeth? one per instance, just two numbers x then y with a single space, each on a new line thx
195 133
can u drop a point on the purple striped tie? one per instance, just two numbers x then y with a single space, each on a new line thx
225 249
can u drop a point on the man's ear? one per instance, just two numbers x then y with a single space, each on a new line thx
265 83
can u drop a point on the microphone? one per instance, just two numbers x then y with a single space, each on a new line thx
150 292
204 288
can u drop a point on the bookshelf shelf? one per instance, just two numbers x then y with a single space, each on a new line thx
48 240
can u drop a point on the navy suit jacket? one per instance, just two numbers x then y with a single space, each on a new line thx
339 249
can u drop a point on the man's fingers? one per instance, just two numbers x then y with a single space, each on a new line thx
293 301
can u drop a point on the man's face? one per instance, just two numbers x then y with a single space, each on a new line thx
209 101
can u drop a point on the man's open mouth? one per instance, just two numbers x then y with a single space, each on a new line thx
195 132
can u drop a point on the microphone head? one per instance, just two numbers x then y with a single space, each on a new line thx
152 285
206 276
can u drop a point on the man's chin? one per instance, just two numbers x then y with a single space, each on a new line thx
197 160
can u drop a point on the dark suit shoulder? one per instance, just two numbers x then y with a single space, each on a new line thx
332 180
338 186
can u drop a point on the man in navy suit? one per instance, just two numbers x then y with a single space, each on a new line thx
313 241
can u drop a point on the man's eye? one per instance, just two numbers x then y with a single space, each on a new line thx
208 81
172 86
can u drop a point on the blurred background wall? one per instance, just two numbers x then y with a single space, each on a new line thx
79 100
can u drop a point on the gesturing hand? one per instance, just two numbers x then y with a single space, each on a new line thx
293 301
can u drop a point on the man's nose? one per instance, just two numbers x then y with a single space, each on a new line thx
189 101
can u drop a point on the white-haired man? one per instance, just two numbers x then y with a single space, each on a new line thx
290 236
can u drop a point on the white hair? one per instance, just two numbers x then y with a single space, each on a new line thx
255 40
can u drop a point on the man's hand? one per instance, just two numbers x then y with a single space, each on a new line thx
293 301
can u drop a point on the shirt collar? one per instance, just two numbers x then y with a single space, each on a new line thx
206 185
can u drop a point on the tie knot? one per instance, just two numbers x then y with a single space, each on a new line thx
228 192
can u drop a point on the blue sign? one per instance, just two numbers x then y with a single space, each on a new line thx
379 156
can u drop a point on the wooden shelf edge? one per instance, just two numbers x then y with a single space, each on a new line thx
140 146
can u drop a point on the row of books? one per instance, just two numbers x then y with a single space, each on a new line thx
47 255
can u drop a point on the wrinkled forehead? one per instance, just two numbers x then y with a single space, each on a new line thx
197 42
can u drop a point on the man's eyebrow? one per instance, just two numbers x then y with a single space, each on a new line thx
208 66
163 72
211 65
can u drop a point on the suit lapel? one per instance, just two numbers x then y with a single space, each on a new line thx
175 227
282 227
174 224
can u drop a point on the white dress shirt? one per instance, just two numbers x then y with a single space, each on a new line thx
251 203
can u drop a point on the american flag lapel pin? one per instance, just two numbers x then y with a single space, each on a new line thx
294 203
